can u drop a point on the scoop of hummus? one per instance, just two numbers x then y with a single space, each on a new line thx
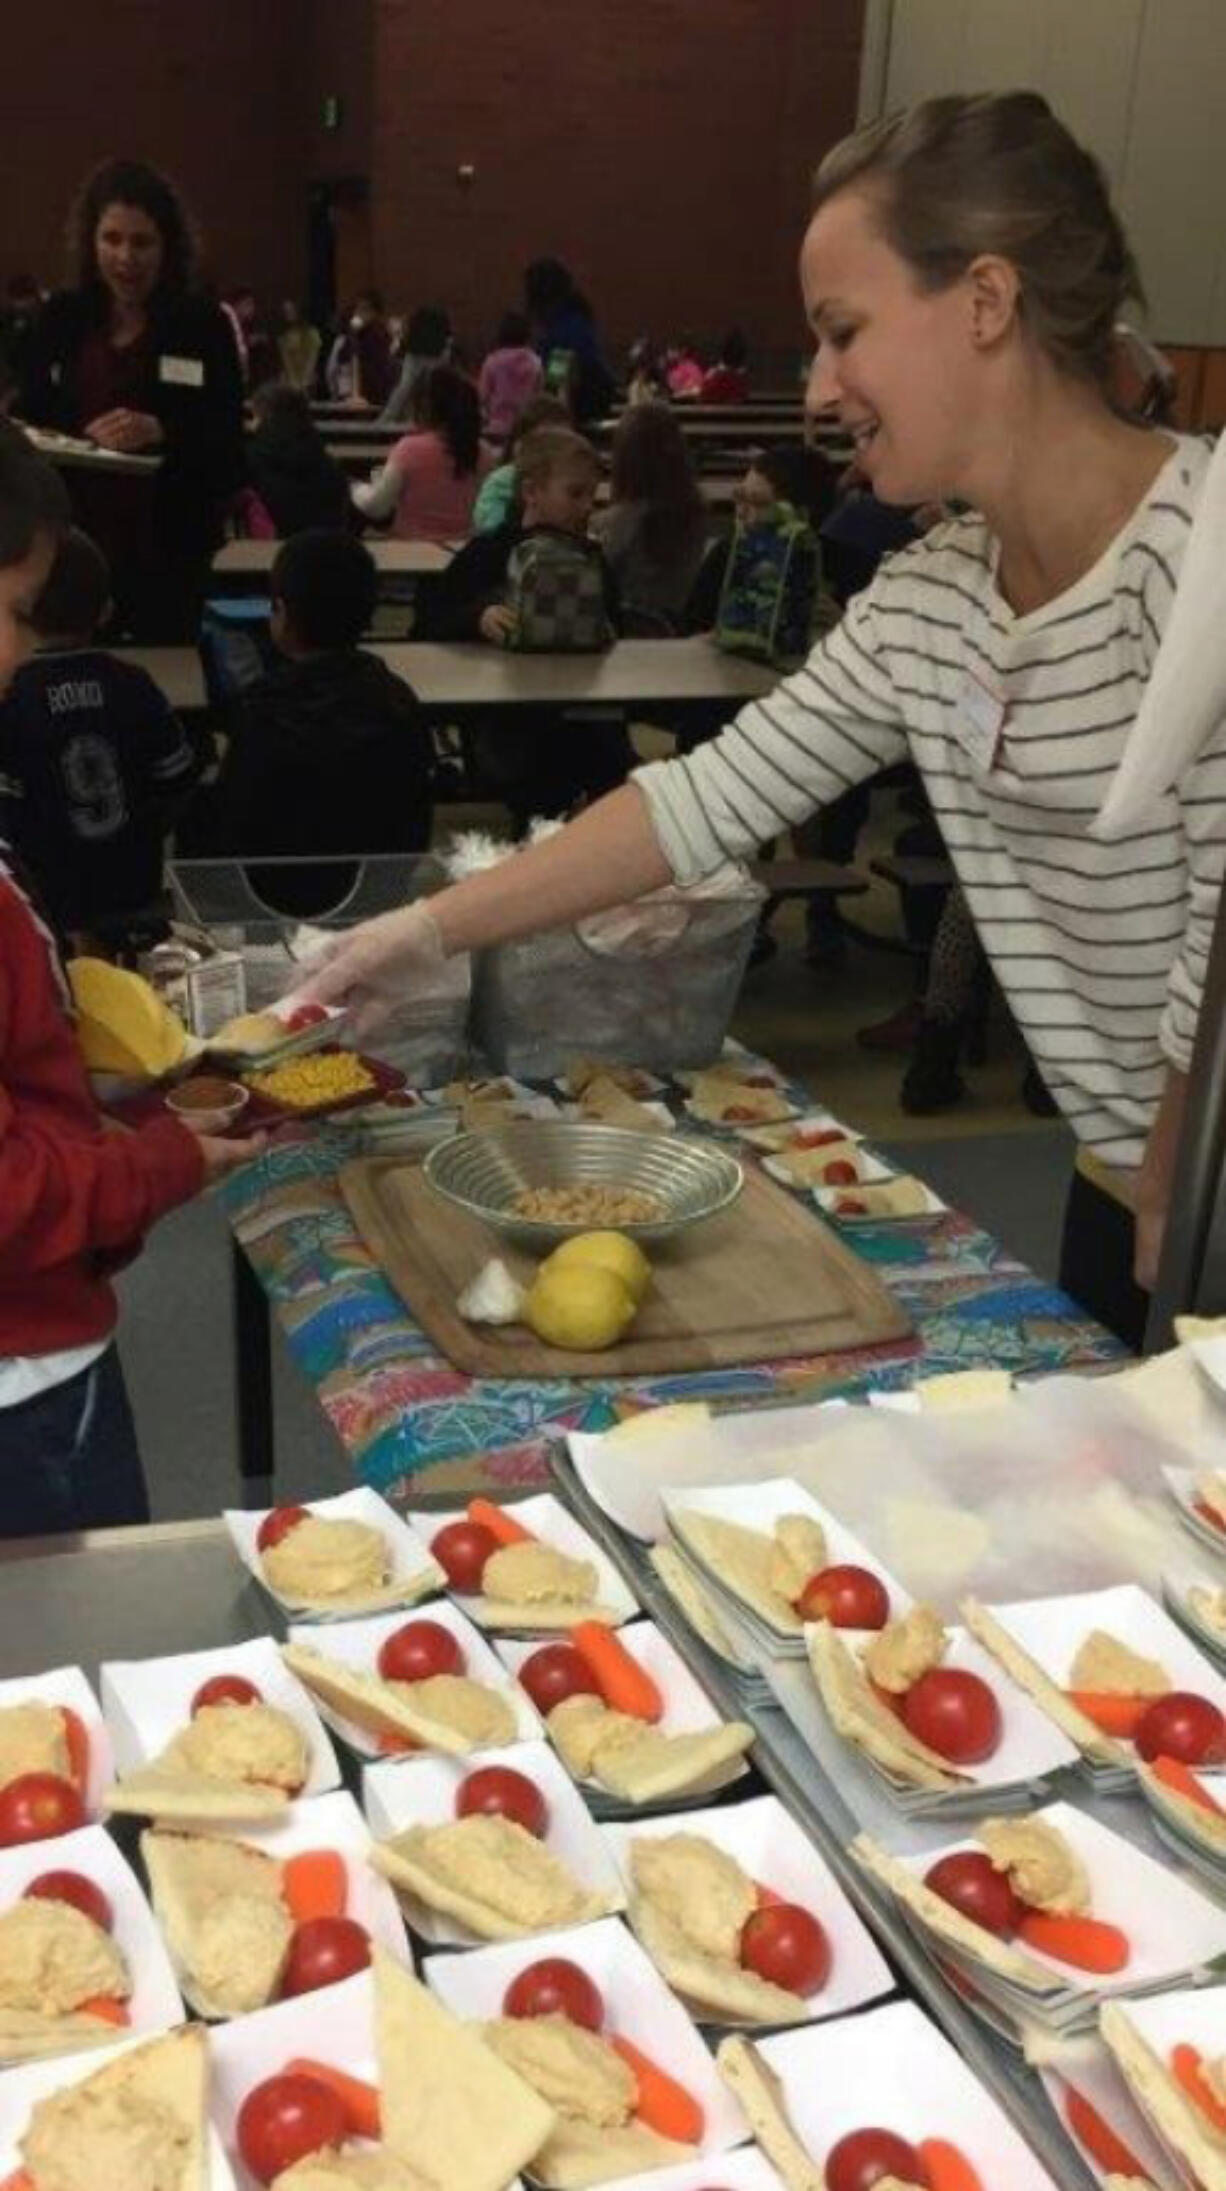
468 1706
32 1740
52 1958
84 2139
702 1888
578 1725
575 2070
322 1558
524 1574
243 1742
496 1863
1042 1868
798 1553
238 1951
1106 1667
904 1649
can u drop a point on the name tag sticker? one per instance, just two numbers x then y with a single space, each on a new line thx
980 720
181 372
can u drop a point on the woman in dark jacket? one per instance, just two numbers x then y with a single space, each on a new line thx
136 359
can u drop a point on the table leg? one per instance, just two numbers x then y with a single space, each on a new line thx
253 1366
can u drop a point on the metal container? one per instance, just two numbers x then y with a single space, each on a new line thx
482 1173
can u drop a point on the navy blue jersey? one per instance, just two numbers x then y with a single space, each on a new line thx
93 765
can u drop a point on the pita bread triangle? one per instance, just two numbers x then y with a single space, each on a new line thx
741 1560
187 1798
579 2154
948 1924
378 1706
176 1864
1206 1827
858 1714
408 1861
1049 1697
754 2083
652 1763
450 2108
1162 2103
27 2036
708 1981
171 2072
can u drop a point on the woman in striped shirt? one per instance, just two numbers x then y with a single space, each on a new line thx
963 272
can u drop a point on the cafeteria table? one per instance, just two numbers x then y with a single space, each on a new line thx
246 559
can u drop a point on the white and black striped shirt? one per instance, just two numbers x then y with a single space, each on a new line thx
1100 948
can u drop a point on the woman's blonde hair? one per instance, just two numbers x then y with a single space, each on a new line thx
989 172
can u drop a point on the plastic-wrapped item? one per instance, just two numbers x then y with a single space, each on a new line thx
653 983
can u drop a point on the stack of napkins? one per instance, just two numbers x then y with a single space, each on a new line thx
1114 1903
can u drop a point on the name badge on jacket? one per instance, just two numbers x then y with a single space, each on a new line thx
980 723
181 372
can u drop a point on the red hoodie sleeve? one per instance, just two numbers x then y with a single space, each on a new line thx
67 1185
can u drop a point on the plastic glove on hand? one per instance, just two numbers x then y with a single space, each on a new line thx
370 970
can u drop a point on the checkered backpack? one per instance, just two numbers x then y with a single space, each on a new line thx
555 590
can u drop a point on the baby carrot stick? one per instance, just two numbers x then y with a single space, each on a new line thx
663 2104
1206 1514
1083 1942
1112 1715
76 1735
106 2008
20 2180
1181 1779
624 1684
498 1521
948 2169
393 1744
1188 2070
315 1883
1106 2150
359 2099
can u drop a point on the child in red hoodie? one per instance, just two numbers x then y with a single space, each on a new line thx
75 1198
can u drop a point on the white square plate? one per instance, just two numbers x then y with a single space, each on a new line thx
154 2003
357 1643
67 1686
638 2007
1052 1630
21 2088
336 2026
1088 2069
766 1842
410 1558
890 2069
148 1701
545 1517
421 1791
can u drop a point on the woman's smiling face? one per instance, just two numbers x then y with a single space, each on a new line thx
898 363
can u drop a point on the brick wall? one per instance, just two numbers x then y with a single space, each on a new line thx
661 147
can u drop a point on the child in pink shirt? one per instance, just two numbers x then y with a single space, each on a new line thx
430 480
511 375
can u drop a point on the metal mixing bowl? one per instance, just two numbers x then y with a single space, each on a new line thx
483 1172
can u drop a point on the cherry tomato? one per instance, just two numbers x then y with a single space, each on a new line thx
277 1525
955 1713
554 1987
323 1950
841 1173
496 1791
462 1549
1182 1726
284 2119
848 1597
307 1015
861 2159
225 1689
970 1883
555 1672
418 1650
785 1943
37 1807
850 1205
74 1888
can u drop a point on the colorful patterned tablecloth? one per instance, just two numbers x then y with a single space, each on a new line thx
406 1416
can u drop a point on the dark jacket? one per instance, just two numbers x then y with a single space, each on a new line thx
451 606
298 483
326 756
197 397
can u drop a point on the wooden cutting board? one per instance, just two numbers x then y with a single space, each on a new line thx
766 1281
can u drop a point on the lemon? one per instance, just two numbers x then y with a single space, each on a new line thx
583 1308
606 1251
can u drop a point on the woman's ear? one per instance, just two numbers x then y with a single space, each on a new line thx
994 293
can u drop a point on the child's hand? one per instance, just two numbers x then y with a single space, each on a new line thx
221 1157
497 624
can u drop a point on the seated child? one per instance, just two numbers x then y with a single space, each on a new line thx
93 764
429 483
496 494
654 531
727 381
294 483
328 754
510 376
75 1199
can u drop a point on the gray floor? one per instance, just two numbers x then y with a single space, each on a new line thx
177 1343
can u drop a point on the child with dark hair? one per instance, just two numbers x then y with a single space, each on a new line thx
655 528
727 381
430 480
510 376
74 1199
328 753
427 341
93 764
295 484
